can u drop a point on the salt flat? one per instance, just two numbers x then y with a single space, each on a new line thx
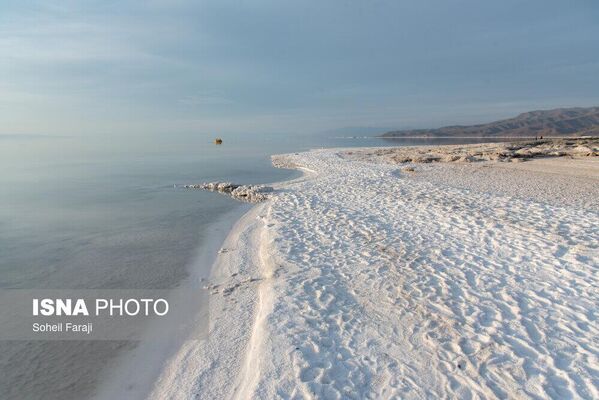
360 280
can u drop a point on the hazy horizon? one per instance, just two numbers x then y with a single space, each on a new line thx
108 68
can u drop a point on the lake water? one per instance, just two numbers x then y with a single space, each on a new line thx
83 213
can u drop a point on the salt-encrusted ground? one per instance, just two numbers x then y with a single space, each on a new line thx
362 281
519 150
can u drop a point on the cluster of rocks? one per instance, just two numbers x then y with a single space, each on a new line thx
505 152
282 161
248 193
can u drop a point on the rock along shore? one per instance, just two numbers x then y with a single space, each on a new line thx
247 193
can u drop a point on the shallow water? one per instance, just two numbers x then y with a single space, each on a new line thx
79 213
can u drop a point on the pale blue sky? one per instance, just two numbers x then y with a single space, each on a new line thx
101 68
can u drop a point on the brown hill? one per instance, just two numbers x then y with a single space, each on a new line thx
558 122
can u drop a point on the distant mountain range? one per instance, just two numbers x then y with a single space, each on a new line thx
558 122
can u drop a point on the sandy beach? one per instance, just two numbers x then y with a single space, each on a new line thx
369 279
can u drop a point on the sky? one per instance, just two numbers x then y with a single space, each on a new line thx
118 68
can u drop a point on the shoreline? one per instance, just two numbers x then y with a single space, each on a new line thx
135 371
292 297
238 271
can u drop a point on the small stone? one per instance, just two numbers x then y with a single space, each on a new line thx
582 149
467 159
451 158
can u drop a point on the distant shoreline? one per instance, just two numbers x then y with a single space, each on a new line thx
485 137
514 151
